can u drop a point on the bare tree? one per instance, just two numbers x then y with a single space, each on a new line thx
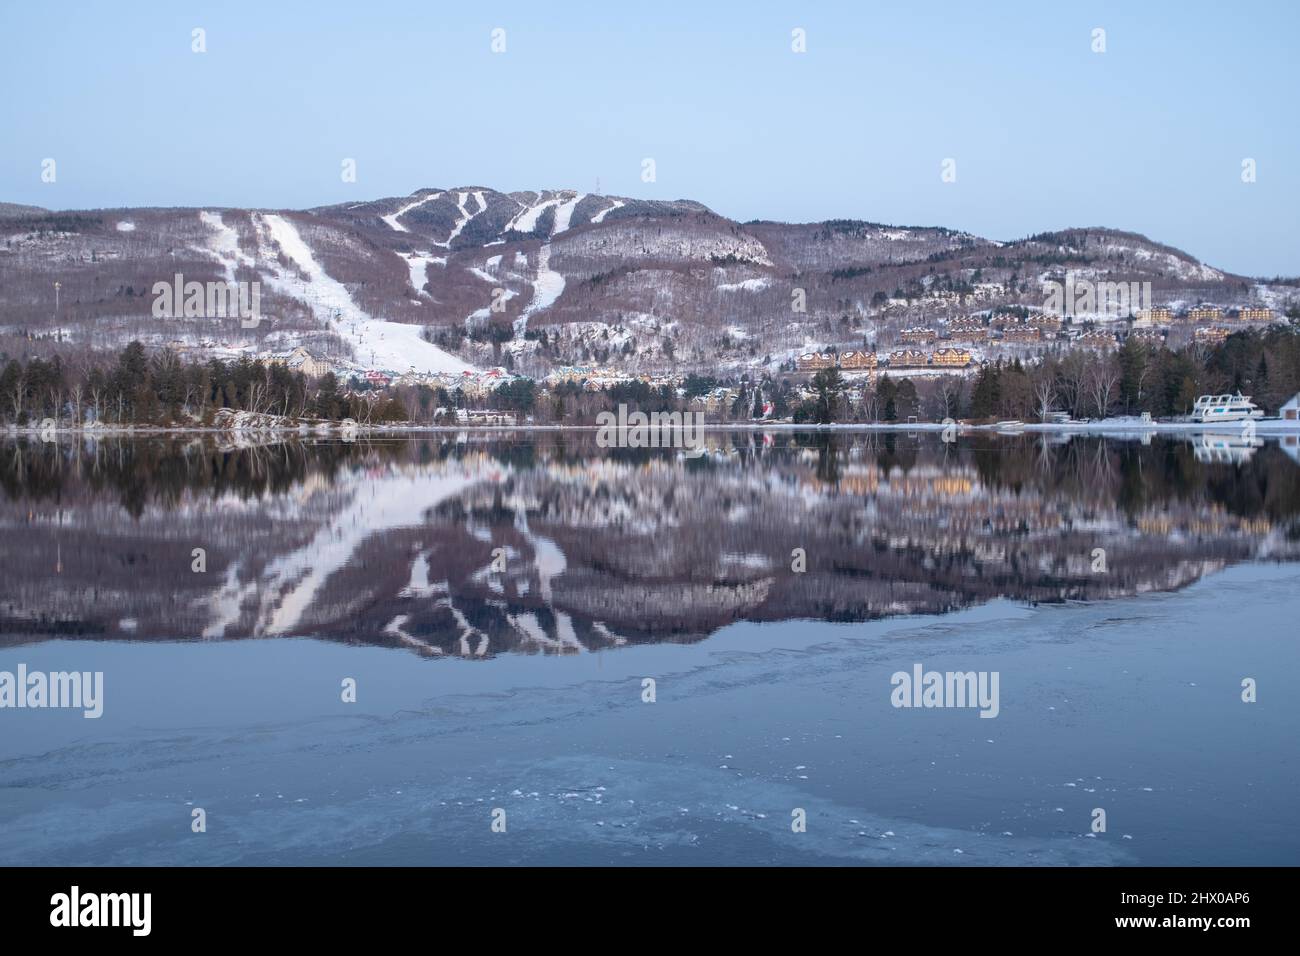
1045 396
1102 381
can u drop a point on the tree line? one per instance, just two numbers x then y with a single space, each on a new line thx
136 387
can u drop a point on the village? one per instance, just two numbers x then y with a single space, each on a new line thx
958 346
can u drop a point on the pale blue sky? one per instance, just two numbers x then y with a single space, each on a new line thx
1148 136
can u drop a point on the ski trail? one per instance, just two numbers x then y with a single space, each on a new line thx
526 221
419 263
393 219
564 213
599 217
392 346
225 245
465 216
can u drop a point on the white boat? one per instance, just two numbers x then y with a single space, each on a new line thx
1225 408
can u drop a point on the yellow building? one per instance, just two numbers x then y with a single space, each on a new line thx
967 331
1255 314
908 358
1158 315
300 360
1205 313
919 336
857 360
815 361
952 358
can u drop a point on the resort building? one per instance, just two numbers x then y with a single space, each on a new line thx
967 330
1022 335
1158 315
952 358
1205 313
908 358
300 360
1097 339
815 361
857 360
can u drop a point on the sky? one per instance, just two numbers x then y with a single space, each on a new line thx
1044 133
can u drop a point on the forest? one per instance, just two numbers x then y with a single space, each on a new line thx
160 388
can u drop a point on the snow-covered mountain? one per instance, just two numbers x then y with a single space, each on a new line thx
448 278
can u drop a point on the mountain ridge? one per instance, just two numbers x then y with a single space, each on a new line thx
541 278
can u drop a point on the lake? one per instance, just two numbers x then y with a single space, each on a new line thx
488 648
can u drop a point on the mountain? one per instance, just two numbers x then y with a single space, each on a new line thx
448 279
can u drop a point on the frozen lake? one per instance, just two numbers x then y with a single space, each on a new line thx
519 695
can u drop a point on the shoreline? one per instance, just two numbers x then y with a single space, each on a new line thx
1273 426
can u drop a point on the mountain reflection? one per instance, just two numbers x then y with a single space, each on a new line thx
478 544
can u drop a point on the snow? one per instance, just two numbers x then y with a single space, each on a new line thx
398 347
749 285
126 226
564 213
547 287
526 220
617 204
392 346
485 313
225 244
465 216
392 219
419 265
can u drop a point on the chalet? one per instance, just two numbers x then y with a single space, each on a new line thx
1290 412
967 330
1097 339
1158 315
1022 335
300 360
1255 314
814 361
857 360
1205 313
918 336
908 358
1213 334
952 358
